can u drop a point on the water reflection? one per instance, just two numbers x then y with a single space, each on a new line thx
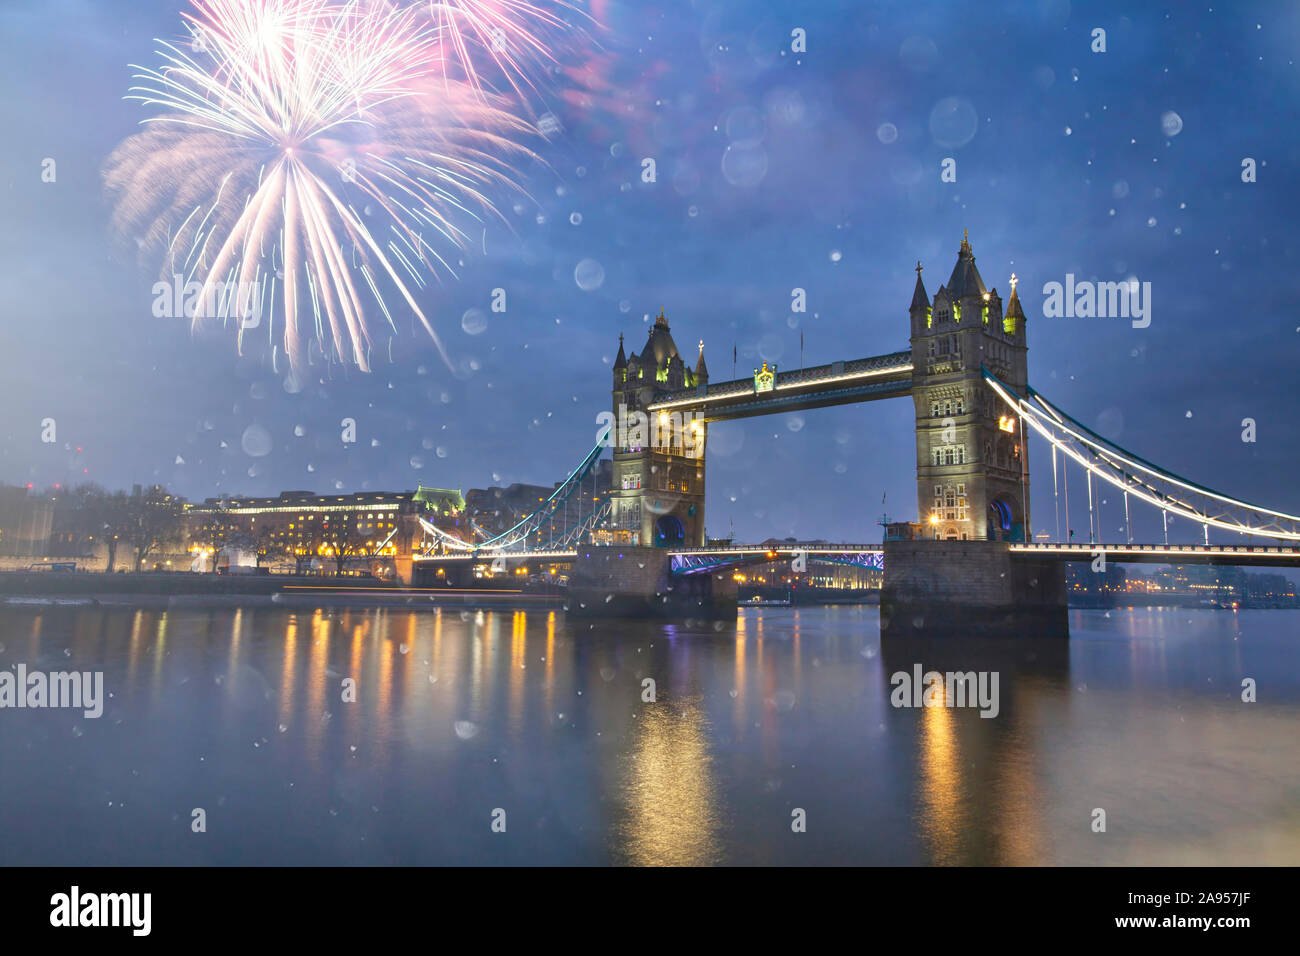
941 819
673 813
458 712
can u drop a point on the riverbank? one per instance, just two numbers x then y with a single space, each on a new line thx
189 589
186 589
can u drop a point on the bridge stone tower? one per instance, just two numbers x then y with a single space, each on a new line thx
657 497
972 470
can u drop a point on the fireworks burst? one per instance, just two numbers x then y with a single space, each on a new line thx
315 151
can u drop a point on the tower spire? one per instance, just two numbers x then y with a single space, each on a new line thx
920 300
1014 310
965 281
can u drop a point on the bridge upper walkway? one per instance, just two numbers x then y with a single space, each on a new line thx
839 383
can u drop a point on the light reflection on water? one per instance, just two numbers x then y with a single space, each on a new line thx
673 808
243 712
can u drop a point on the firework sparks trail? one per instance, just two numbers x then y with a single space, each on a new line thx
313 147
513 36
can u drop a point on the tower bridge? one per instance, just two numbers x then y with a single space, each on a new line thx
967 564
972 472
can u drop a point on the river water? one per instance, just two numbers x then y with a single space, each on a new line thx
521 737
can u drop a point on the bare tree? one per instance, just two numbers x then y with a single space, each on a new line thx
151 521
100 515
341 536
210 533
262 542
268 547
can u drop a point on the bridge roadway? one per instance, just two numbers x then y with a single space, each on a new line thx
700 560
703 560
1231 555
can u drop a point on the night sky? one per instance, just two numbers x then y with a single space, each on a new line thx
776 170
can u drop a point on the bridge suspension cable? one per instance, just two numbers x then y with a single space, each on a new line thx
532 523
1169 492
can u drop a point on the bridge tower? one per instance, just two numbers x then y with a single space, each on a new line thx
972 469
657 494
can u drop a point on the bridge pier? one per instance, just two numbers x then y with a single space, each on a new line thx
633 581
404 569
970 589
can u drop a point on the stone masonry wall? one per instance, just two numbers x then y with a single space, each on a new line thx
970 587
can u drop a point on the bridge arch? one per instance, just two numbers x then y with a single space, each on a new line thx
1003 522
669 531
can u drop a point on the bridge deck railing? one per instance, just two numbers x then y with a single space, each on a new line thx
781 548
1181 548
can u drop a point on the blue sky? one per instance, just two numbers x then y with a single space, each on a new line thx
1063 166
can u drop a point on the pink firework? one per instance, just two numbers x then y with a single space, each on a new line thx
312 150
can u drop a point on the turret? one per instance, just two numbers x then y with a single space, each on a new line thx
1014 321
920 310
620 365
